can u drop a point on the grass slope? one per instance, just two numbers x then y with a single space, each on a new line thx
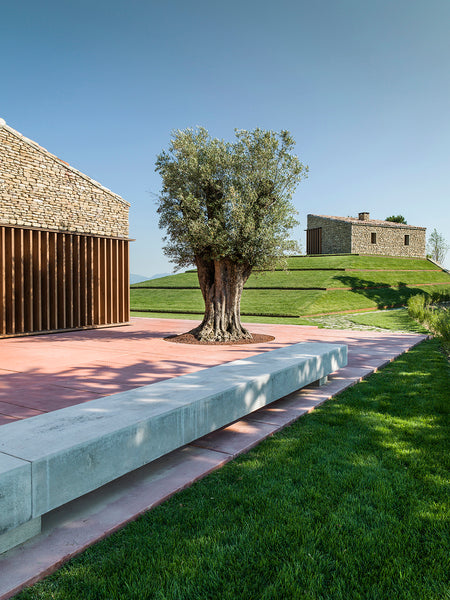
349 502
284 293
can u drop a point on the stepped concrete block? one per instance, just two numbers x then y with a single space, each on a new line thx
15 493
78 449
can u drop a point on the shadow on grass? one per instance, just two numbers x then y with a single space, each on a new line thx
384 295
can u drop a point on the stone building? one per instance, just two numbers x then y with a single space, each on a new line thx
63 243
362 235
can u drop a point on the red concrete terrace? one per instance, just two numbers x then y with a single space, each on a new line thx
40 374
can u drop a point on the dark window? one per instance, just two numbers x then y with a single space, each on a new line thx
406 240
373 238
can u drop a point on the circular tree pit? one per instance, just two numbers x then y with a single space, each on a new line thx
188 338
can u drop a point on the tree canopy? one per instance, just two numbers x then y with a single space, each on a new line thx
226 207
229 199
437 246
397 219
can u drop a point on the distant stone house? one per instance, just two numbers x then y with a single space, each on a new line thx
362 235
63 244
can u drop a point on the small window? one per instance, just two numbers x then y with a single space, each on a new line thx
373 238
407 240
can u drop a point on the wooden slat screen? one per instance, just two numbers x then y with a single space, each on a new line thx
314 241
50 281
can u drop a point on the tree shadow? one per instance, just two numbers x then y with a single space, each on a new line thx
383 295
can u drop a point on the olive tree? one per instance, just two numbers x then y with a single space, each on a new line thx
226 208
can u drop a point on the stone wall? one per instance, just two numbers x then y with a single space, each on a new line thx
39 190
390 241
341 236
336 235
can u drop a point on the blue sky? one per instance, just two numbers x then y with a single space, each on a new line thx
363 86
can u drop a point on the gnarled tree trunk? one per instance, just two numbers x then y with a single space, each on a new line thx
221 282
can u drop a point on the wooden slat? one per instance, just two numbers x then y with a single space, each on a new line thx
76 281
103 283
61 284
96 280
2 283
108 281
28 278
115 280
53 279
126 278
90 281
120 287
37 282
45 279
19 302
9 282
69 281
82 279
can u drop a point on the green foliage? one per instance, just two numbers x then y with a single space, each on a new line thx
418 306
396 219
437 319
350 502
232 201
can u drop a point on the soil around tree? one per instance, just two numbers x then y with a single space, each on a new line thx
188 338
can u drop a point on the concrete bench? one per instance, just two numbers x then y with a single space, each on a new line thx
49 460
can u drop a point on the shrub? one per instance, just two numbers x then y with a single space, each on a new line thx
418 306
440 325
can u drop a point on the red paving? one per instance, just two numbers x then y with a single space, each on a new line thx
44 373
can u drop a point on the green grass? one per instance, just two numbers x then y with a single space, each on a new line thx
339 300
359 262
255 302
394 320
351 502
279 293
283 279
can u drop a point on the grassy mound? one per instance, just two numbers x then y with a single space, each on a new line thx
312 285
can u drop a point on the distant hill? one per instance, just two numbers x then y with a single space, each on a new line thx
135 278
313 285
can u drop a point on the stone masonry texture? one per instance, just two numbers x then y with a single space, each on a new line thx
38 190
351 235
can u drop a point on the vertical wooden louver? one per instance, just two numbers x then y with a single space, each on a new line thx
51 281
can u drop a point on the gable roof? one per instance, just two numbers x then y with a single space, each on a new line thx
377 222
63 163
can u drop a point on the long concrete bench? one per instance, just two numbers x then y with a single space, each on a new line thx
48 460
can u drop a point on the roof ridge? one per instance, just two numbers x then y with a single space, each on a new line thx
375 222
36 146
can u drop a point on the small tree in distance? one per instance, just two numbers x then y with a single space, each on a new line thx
437 246
227 210
397 219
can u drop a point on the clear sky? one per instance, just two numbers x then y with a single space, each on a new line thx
363 86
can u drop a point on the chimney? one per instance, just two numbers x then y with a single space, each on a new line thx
364 216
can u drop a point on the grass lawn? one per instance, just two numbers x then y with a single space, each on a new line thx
255 302
350 502
395 320
359 262
338 300
279 293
